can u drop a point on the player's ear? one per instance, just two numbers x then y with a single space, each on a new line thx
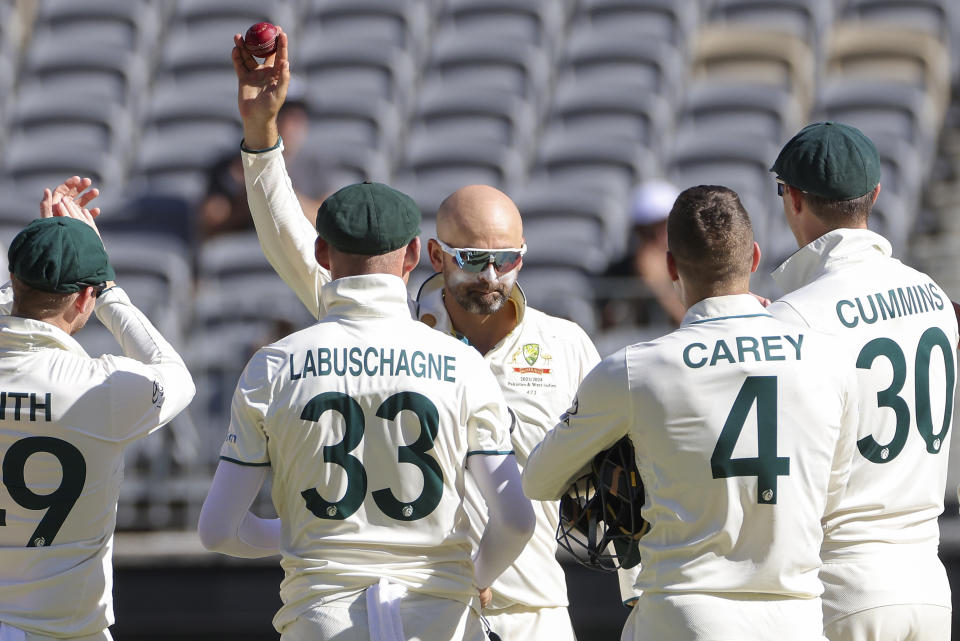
435 252
756 257
672 267
411 257
321 250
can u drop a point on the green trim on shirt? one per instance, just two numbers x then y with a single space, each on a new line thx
720 318
491 452
243 147
233 460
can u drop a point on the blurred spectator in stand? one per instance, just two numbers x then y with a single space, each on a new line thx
646 260
314 177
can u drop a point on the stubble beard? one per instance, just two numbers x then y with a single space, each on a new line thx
477 295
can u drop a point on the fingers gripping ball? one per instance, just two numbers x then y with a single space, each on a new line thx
261 39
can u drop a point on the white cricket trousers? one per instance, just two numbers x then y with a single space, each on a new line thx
708 617
10 633
423 617
893 623
520 623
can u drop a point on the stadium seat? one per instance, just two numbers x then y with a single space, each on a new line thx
617 58
44 118
587 160
433 159
891 53
808 20
209 116
589 224
642 18
767 111
612 111
540 22
930 16
559 291
133 24
347 66
487 62
112 72
32 168
727 53
366 121
404 23
161 164
465 113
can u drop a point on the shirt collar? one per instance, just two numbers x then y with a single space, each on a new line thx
368 295
825 254
31 335
432 311
721 307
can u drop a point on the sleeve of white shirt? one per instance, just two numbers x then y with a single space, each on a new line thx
491 462
246 442
226 524
285 234
599 417
150 384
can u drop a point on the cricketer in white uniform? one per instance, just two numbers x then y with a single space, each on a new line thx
881 573
369 421
743 430
538 360
65 419
538 364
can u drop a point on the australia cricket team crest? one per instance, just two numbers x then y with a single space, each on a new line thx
532 355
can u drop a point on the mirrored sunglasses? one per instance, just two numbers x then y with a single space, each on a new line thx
475 260
780 186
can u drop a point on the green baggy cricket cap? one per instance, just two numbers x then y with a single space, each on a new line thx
831 160
368 218
59 255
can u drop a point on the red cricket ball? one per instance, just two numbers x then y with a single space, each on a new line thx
261 39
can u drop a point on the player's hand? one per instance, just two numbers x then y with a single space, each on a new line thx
486 595
74 187
69 208
262 89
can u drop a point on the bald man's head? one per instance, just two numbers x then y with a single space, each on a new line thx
479 216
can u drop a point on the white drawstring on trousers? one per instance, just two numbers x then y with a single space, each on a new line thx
383 611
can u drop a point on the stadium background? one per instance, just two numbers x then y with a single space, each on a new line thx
564 104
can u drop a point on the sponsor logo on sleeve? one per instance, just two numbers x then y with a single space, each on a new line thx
157 394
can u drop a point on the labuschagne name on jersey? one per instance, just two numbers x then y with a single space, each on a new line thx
372 361
741 349
23 406
895 303
531 366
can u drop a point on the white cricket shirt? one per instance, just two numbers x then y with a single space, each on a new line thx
538 365
367 419
64 420
881 543
742 431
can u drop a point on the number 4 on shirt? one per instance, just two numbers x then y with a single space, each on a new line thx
766 466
